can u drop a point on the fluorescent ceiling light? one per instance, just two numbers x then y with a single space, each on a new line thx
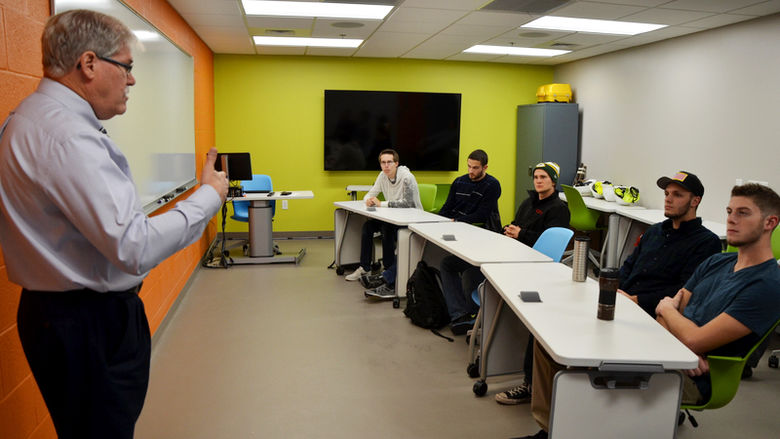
511 50
592 26
311 42
146 35
316 9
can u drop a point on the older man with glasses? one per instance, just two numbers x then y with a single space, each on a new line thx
81 244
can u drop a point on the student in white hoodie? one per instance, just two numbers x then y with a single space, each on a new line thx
399 188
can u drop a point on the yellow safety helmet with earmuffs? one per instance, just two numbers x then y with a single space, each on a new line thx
626 195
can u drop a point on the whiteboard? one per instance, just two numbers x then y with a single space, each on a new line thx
157 132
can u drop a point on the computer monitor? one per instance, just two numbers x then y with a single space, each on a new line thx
239 165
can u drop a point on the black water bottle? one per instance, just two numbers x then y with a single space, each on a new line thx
608 285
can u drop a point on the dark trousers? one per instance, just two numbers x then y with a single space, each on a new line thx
454 273
89 353
389 236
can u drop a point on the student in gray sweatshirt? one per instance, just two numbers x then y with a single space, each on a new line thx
399 188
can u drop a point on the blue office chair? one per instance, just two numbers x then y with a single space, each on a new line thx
259 182
552 242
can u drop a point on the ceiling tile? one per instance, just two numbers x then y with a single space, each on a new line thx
420 20
214 20
666 16
476 32
765 8
599 11
644 3
711 5
390 44
496 19
483 57
279 22
718 20
435 50
582 39
461 5
228 7
325 28
518 38
660 34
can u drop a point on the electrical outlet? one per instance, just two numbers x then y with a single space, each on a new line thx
284 204
738 182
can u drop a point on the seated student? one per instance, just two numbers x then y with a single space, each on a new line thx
665 258
727 305
399 188
542 209
669 251
474 196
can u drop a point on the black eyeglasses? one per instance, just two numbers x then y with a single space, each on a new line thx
128 68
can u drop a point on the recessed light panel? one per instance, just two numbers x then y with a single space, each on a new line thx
306 42
511 50
592 26
315 9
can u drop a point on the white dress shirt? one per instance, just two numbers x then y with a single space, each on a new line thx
70 217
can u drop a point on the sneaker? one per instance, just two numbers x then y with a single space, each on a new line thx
519 395
382 292
462 324
355 275
370 281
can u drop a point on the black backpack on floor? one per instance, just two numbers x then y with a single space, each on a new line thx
425 303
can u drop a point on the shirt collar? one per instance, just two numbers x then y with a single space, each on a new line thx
70 99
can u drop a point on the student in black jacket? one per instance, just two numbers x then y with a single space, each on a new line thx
669 251
542 209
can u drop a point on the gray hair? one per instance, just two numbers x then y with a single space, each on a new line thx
69 34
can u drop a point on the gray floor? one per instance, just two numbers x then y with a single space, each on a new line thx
289 351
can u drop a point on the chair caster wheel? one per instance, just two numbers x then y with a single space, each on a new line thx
773 361
480 388
396 303
339 271
473 370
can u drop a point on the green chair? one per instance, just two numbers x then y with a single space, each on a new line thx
725 375
582 219
427 196
442 191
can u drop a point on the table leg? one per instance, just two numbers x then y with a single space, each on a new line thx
261 242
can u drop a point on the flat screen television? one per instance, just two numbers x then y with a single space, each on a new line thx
423 127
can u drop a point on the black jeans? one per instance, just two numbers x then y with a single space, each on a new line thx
89 353
389 236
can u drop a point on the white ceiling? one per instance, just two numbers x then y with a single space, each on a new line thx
442 29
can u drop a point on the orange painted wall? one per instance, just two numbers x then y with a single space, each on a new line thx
22 411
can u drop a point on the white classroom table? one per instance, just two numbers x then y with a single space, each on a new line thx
353 190
261 243
632 354
473 244
348 219
614 227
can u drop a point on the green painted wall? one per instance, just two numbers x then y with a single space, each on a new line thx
272 107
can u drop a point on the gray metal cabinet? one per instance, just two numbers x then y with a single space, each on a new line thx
546 132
